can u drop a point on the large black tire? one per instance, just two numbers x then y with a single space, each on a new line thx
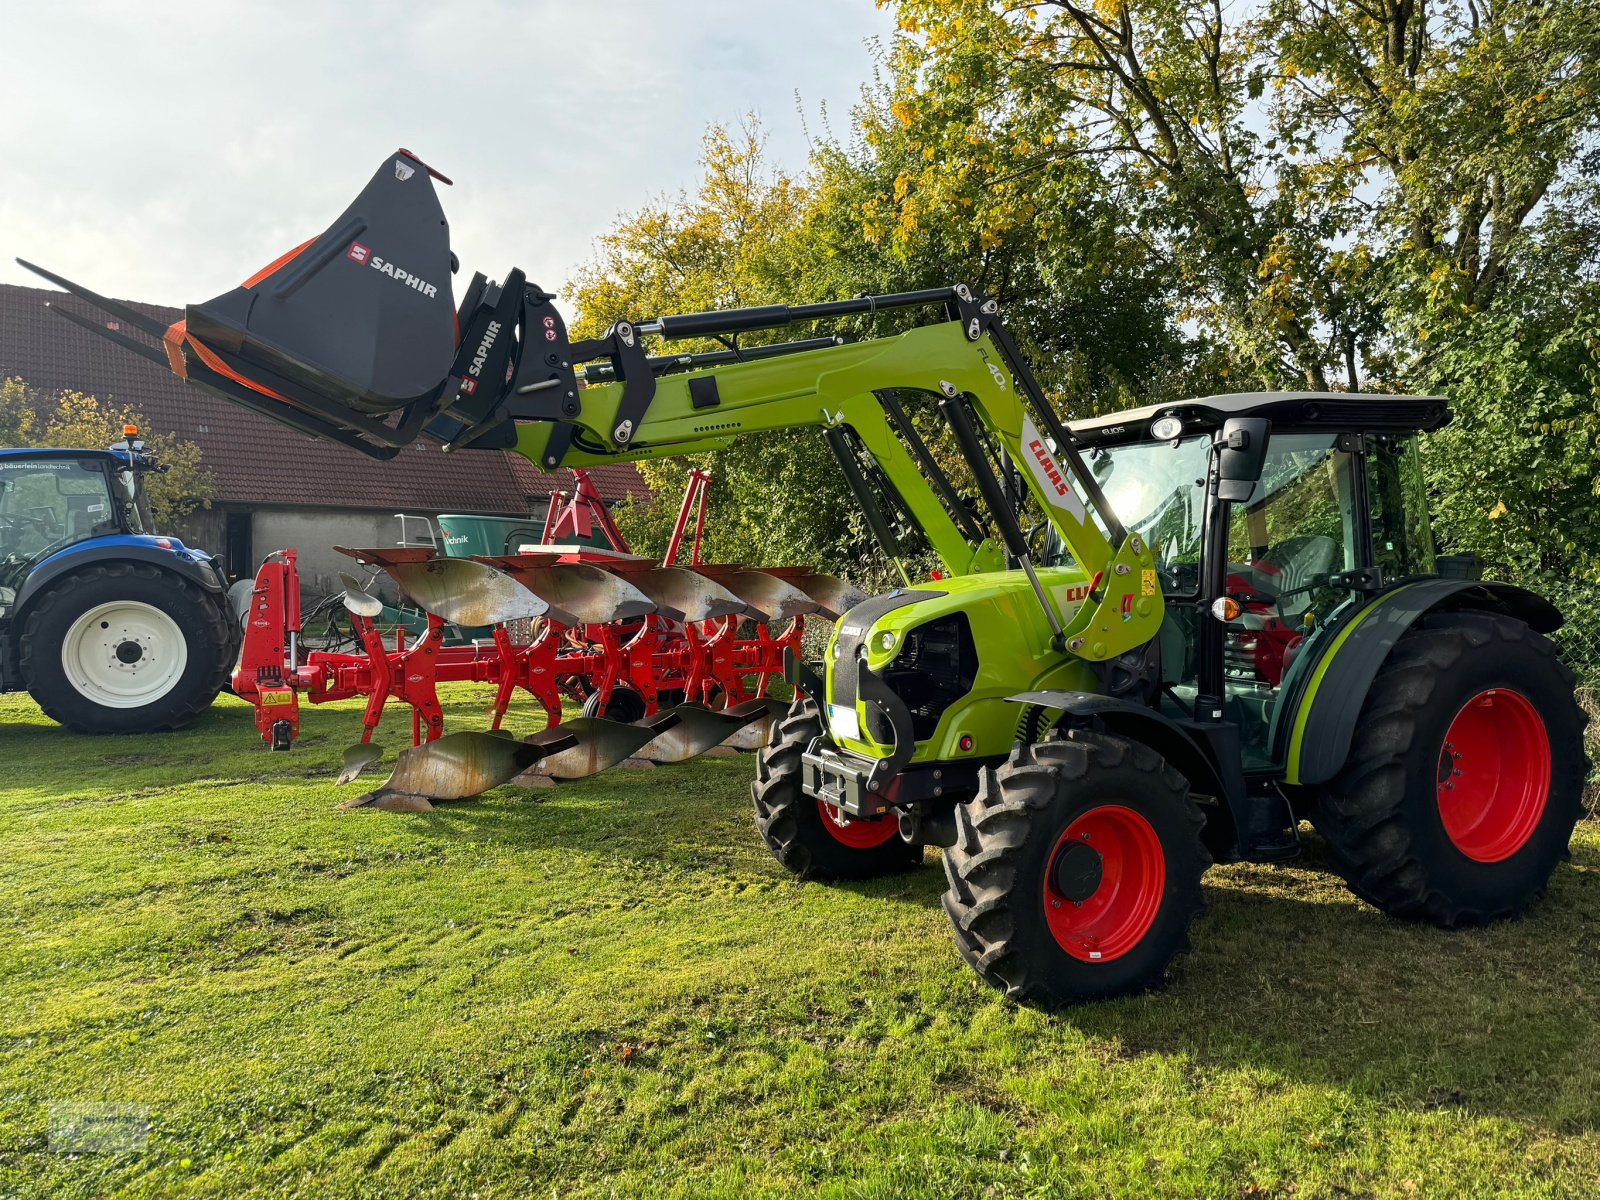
1013 883
201 619
1387 816
794 826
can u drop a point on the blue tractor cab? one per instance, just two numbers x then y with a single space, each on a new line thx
110 626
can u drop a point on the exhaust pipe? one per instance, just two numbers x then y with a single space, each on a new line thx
921 828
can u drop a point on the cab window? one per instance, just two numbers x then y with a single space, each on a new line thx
46 504
1402 540
1157 490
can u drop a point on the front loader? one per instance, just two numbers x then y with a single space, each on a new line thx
1158 640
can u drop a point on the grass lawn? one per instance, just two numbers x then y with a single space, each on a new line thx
611 988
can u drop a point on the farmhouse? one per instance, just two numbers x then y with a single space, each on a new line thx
274 487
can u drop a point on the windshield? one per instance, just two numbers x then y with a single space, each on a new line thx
46 504
1157 490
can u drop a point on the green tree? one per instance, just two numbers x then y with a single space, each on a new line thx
1306 167
725 245
1090 314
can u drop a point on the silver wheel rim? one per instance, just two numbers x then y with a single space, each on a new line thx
124 654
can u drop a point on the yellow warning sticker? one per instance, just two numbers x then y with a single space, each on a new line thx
1147 582
276 696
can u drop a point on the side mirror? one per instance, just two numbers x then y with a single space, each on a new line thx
1241 455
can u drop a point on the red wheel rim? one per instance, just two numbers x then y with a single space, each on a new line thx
856 832
1113 917
1494 775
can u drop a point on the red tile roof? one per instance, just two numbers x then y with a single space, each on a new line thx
258 461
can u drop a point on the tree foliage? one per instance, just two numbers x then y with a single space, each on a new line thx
75 421
1174 197
1097 329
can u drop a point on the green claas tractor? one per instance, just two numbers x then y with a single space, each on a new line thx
1157 640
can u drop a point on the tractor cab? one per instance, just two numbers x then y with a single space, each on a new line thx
53 499
1335 512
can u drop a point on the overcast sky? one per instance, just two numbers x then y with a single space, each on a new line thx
164 152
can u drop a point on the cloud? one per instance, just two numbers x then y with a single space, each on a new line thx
163 154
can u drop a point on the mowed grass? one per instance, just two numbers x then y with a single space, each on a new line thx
610 988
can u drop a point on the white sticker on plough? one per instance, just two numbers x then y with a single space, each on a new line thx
1052 480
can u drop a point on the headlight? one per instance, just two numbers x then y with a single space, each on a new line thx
1166 429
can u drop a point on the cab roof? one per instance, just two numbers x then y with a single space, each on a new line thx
1345 411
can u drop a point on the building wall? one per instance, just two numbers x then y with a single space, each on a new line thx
314 532
202 530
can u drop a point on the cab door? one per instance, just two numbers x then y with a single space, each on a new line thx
1291 546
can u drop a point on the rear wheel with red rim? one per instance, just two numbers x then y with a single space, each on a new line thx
1494 775
1465 774
1076 871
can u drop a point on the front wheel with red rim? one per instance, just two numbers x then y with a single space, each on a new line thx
812 839
1076 871
1104 883
854 832
1465 774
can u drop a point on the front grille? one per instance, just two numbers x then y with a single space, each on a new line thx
937 665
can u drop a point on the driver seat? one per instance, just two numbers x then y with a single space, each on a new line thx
1292 564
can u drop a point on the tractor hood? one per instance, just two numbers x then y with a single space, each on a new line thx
922 674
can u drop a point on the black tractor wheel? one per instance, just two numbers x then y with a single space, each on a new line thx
125 647
1076 871
813 839
1465 775
624 704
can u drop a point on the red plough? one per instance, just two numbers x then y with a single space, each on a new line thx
646 647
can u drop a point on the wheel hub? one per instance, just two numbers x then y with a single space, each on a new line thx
129 652
1077 871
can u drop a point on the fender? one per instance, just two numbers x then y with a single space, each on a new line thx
192 565
1150 726
1313 727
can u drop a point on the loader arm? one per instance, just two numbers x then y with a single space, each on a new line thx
339 340
851 388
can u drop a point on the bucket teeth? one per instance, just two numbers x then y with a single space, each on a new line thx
460 590
697 730
357 759
586 746
758 716
577 594
359 601
456 767
681 594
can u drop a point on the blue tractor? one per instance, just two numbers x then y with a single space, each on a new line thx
111 627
